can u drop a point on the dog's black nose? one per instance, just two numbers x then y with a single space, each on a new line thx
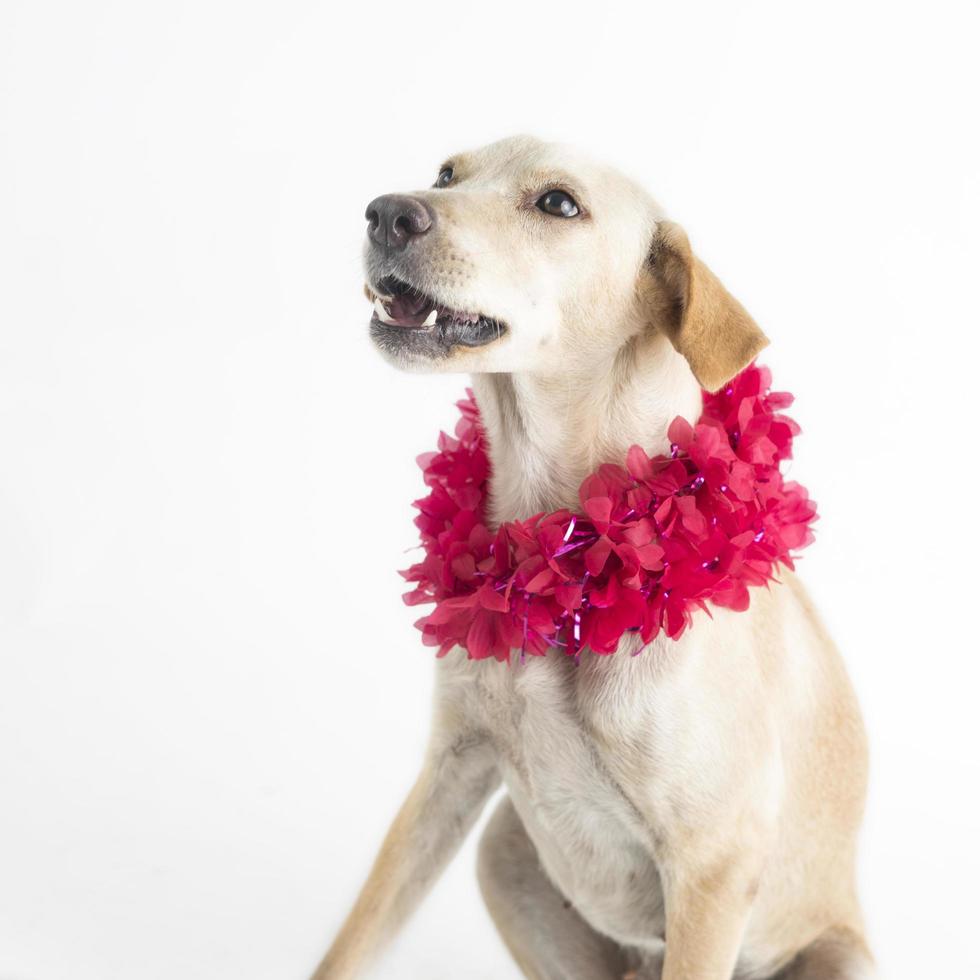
395 218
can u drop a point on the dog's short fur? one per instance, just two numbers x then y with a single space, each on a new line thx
691 810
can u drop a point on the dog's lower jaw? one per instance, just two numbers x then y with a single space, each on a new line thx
547 431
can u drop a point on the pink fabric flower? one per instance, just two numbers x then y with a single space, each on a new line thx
655 541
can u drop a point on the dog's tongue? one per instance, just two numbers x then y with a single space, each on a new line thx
409 309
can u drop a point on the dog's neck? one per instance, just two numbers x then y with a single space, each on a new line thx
547 432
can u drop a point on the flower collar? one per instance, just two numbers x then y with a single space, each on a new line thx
655 540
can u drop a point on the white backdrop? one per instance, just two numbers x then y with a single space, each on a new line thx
211 697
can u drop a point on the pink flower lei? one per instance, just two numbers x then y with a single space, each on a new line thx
655 540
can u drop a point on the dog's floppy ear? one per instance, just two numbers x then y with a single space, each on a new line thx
703 320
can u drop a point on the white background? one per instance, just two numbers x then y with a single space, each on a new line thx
211 697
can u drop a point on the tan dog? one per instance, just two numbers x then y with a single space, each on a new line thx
692 810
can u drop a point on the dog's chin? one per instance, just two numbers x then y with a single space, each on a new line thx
413 329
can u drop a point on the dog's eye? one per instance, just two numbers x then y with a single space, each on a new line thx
558 203
445 177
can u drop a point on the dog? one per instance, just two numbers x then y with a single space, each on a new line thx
690 812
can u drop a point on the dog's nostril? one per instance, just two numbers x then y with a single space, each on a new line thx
373 219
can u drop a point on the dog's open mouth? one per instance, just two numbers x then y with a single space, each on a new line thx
404 316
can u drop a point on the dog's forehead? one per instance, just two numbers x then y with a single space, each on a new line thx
519 158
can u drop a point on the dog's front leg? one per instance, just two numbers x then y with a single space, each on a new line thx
458 777
706 912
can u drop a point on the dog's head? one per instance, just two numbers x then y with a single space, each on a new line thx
526 256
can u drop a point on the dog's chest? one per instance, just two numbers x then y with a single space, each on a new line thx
569 790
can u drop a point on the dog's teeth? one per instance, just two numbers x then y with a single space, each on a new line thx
383 315
430 320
